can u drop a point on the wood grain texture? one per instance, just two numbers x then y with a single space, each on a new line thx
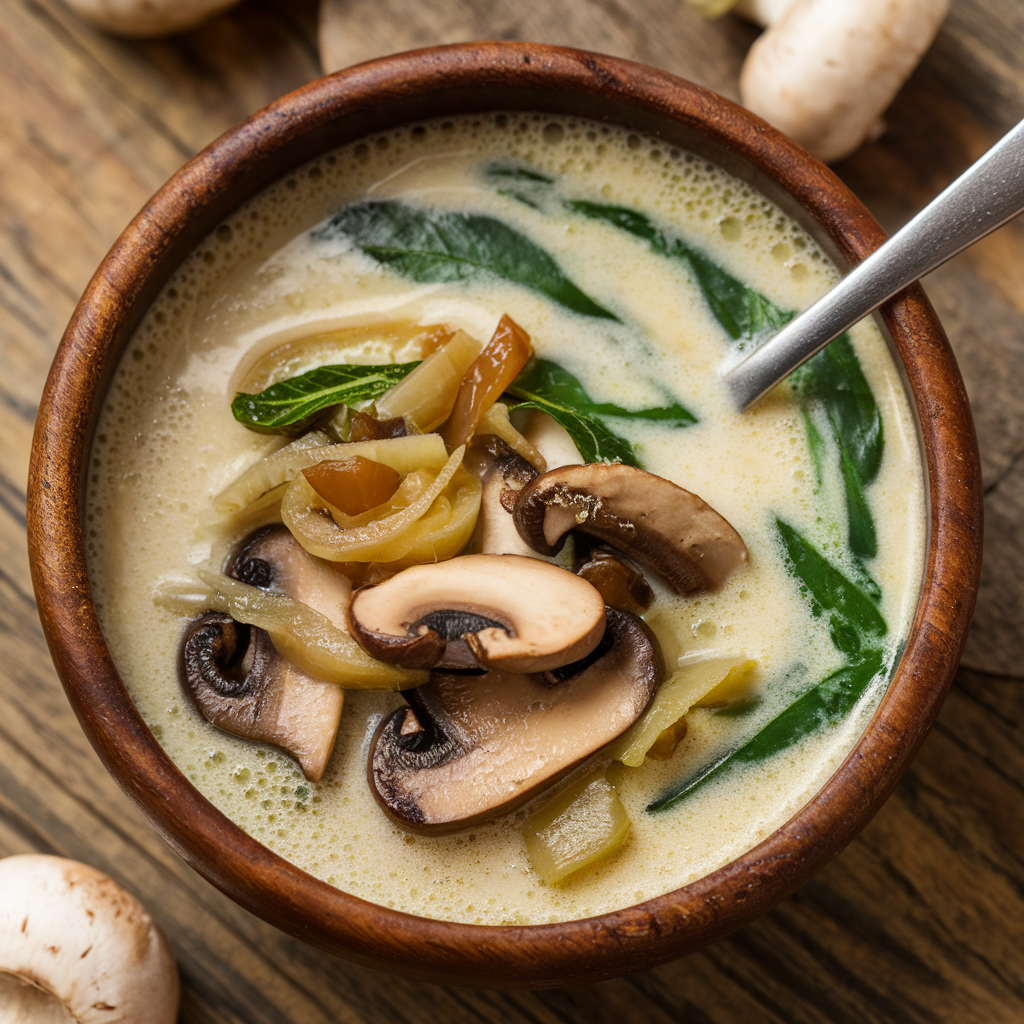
918 921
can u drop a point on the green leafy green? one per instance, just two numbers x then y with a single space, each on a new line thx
523 184
816 446
432 246
742 312
517 172
855 620
547 386
823 705
835 373
290 405
833 379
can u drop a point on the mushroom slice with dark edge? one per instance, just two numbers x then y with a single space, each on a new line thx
619 583
504 473
650 519
242 684
506 612
471 747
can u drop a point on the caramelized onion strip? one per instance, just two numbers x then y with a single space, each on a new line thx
402 454
381 535
490 373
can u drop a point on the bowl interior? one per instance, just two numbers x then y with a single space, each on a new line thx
327 114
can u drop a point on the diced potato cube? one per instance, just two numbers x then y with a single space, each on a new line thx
581 825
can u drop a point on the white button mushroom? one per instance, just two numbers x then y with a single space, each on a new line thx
148 18
825 70
73 932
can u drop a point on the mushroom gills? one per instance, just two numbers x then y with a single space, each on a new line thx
242 684
506 612
471 747
651 520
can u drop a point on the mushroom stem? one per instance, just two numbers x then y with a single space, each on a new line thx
825 70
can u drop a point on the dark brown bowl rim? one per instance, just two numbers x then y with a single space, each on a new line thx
476 75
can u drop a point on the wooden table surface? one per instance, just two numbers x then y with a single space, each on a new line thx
922 918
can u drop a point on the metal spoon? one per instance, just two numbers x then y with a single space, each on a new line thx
983 198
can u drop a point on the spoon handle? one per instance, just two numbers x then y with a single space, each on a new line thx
983 198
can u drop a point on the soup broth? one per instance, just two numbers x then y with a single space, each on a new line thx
275 272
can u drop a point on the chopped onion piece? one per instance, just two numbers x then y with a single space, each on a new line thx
303 636
739 683
674 699
581 825
402 454
426 397
367 343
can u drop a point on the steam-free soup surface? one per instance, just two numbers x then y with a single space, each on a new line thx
167 443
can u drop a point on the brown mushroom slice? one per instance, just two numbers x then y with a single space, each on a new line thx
619 583
505 612
238 679
650 519
504 473
273 559
242 685
471 747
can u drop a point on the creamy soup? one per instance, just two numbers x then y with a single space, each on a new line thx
694 270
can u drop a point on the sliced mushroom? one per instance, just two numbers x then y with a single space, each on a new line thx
239 681
650 519
620 584
493 611
504 474
471 747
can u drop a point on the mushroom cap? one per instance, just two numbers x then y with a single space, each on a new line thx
619 583
653 521
242 684
511 612
471 747
75 933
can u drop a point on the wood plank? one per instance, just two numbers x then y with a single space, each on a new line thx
919 921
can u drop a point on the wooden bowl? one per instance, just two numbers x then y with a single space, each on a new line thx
336 110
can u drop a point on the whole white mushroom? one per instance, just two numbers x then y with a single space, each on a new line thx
824 71
148 18
73 932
